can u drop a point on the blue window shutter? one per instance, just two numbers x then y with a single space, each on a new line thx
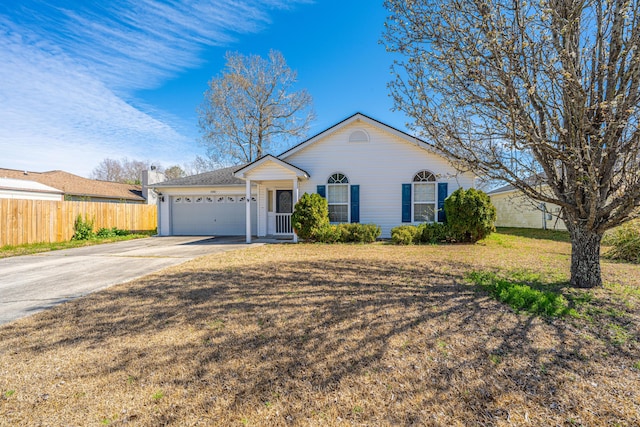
406 202
442 194
355 203
322 190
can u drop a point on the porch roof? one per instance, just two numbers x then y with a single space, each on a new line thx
270 168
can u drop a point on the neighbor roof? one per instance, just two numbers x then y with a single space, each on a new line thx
536 179
222 176
24 185
75 185
503 189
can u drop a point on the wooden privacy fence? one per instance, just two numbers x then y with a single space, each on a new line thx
33 221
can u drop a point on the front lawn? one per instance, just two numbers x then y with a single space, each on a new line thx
376 335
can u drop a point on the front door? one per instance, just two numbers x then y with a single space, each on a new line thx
284 201
284 209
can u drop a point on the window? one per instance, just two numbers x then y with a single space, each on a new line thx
338 197
424 197
270 200
359 136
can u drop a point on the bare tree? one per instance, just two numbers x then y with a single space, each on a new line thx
200 165
542 94
108 170
251 107
123 170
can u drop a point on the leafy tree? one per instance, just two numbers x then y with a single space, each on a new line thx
542 94
251 106
174 172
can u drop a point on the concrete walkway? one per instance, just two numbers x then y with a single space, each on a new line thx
32 283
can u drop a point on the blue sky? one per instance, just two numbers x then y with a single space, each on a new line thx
85 80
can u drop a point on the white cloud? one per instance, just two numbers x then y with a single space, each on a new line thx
66 75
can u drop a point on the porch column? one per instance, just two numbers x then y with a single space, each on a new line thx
295 200
248 211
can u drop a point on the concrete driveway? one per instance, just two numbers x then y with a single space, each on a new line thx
33 283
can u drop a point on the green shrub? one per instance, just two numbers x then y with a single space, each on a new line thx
358 233
625 241
83 229
405 235
111 232
435 232
470 214
349 233
428 232
329 234
310 216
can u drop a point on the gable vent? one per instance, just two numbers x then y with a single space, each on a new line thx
359 136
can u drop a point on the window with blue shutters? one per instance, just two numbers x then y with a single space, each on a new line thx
424 197
338 198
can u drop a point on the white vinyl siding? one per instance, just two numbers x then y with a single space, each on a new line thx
379 166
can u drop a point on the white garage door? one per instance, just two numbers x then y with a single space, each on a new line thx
219 215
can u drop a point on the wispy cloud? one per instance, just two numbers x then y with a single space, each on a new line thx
67 75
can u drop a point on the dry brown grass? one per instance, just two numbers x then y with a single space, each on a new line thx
330 335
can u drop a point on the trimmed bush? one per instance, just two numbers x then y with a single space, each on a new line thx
406 235
427 232
435 232
470 214
349 233
329 234
358 233
83 229
310 216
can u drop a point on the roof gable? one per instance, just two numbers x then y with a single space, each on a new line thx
270 160
358 117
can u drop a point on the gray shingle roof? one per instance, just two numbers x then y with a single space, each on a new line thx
222 176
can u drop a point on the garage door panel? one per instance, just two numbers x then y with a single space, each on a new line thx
223 215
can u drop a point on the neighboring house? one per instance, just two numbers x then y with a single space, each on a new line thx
368 172
514 209
75 187
27 190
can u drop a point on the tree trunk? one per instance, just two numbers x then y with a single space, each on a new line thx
585 258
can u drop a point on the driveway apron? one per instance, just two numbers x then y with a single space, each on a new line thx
33 283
